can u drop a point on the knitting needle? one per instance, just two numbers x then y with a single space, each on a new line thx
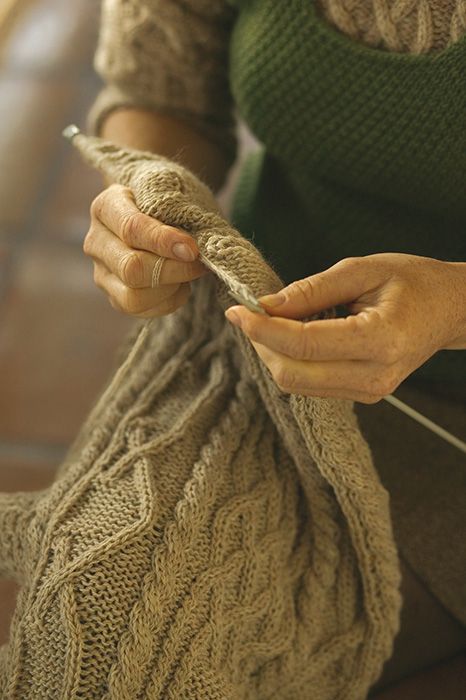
70 131
254 305
245 297
426 422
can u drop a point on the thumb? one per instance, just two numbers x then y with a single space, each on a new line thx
342 283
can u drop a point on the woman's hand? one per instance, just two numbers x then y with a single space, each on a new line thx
403 309
126 244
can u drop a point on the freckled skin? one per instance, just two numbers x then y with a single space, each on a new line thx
403 309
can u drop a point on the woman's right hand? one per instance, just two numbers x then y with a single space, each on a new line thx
125 244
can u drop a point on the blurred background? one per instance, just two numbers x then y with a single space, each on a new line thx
58 332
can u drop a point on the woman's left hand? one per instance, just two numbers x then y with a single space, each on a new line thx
403 309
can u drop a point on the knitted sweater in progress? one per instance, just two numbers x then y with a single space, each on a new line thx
208 537
174 56
358 106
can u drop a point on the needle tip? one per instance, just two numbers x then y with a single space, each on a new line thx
70 131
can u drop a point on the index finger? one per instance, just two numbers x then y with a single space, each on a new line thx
349 338
116 209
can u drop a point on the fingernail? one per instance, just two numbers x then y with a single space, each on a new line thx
233 317
273 299
183 252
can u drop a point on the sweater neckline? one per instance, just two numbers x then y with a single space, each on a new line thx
347 44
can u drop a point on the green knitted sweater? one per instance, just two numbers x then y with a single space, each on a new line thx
364 150
359 112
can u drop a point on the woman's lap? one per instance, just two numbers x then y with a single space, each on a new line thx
426 480
428 633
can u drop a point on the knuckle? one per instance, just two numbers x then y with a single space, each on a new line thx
165 231
388 353
114 304
300 345
377 386
129 301
365 331
357 326
351 261
393 349
88 242
283 377
384 383
385 343
121 190
97 277
165 238
131 269
130 225
117 191
305 346
304 288
97 205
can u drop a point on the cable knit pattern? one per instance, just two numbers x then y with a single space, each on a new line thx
168 56
208 537
173 56
412 26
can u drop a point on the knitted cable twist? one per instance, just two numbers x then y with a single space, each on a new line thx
172 56
208 536
414 26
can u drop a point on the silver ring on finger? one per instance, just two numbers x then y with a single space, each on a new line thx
156 272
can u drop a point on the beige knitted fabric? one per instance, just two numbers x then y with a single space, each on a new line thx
208 537
411 26
171 56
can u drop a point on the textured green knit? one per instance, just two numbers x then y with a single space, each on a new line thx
364 149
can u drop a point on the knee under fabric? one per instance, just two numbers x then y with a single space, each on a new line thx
208 536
